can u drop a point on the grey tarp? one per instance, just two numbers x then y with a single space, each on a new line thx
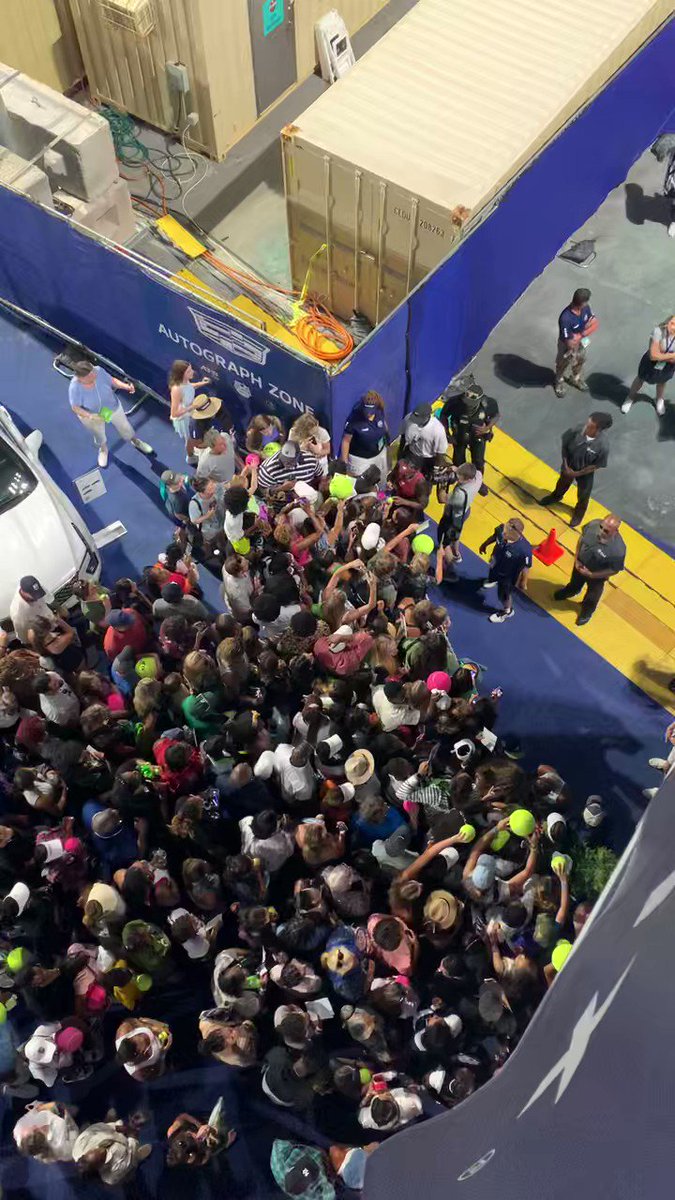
585 1108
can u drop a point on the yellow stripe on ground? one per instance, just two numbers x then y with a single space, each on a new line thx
634 627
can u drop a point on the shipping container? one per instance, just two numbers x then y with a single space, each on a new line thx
397 161
241 57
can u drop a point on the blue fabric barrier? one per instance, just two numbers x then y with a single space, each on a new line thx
105 300
379 364
456 308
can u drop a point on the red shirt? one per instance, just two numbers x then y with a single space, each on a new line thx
135 636
347 661
189 777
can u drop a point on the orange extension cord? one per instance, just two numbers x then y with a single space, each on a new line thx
316 324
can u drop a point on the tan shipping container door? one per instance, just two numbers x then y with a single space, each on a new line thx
211 37
38 38
445 109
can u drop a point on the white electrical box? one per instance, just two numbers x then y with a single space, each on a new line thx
336 56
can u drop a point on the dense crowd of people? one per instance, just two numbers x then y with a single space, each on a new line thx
302 805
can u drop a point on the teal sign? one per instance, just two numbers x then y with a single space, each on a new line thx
273 15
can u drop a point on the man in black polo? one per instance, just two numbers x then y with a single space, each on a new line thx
469 417
600 553
585 449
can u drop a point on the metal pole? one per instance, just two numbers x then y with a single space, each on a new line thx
411 248
329 248
358 175
380 248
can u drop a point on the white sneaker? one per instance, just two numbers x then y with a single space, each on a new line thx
499 617
144 447
103 456
659 764
661 407
649 793
626 406
671 229
486 584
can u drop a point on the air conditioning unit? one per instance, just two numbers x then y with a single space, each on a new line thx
135 16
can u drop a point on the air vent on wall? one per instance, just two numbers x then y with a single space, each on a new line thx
136 16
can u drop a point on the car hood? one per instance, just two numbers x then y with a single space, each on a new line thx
35 541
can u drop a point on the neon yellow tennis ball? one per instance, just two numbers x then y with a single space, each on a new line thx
522 823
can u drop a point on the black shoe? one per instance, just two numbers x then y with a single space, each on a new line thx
546 500
583 618
483 490
575 520
562 594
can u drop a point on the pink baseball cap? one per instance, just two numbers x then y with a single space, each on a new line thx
439 681
96 998
69 1039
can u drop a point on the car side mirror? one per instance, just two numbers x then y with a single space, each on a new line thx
34 443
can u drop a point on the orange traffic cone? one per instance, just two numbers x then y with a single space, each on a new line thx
549 551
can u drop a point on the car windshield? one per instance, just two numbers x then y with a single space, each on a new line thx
16 480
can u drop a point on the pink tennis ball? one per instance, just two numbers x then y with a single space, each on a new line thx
439 681
252 460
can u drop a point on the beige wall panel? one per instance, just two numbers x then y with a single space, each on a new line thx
354 13
38 37
228 65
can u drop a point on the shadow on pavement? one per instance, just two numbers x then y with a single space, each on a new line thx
604 386
520 372
641 208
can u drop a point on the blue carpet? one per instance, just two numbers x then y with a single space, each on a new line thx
567 707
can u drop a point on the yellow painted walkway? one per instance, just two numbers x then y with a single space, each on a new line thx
634 627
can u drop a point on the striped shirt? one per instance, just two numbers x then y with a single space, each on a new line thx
276 470
433 794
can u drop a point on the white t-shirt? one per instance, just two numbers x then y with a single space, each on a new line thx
234 526
275 628
237 591
61 707
273 851
426 440
24 613
61 1132
392 716
296 783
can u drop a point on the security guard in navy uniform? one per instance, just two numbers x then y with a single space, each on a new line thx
600 553
585 450
469 417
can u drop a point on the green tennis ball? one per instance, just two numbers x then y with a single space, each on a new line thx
253 505
561 952
423 544
522 823
365 1075
16 959
242 546
143 982
270 449
3 1014
561 861
468 831
146 667
106 414
341 487
500 839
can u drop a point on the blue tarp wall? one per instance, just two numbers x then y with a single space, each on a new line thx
104 299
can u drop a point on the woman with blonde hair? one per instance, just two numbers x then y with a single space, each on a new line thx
657 366
182 390
262 431
312 438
